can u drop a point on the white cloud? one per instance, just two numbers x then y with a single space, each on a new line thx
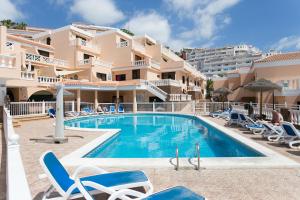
9 11
206 15
151 24
287 43
100 12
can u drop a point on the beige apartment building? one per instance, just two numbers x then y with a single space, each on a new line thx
283 69
97 64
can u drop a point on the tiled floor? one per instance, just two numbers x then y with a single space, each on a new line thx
214 184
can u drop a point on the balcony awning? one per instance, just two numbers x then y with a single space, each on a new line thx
63 73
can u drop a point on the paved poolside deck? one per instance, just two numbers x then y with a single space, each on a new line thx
280 183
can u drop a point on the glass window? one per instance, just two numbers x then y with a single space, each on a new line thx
121 77
168 75
136 74
101 76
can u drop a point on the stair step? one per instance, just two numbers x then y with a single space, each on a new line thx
31 118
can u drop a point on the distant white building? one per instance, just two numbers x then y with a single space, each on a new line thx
219 61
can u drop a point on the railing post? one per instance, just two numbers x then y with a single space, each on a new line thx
153 106
73 106
172 106
43 107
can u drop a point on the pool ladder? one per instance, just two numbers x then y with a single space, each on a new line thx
197 155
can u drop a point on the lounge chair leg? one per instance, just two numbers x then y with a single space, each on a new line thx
48 192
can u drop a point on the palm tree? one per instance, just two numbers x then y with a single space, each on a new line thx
209 88
21 26
8 23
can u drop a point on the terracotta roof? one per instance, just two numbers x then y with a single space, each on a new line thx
280 57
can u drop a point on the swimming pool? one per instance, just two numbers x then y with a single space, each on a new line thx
158 135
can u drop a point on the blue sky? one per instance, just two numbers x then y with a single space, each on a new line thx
265 24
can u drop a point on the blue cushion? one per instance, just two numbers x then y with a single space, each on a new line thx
242 117
175 193
234 116
59 173
288 129
114 179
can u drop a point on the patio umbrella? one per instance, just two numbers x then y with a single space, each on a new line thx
223 91
262 85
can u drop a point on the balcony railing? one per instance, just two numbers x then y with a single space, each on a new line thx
166 82
180 97
45 60
27 75
7 61
122 44
95 62
139 63
45 79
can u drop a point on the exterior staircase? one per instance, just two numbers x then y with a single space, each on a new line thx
155 90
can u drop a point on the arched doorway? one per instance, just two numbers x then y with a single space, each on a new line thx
42 95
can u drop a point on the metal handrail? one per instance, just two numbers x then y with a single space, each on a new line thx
197 154
177 158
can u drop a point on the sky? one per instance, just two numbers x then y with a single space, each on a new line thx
265 24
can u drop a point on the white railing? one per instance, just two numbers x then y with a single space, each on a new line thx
166 82
139 63
45 60
154 90
16 183
27 108
183 107
180 97
122 44
45 79
95 62
27 75
7 61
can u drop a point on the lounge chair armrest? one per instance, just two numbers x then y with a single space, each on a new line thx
87 167
124 193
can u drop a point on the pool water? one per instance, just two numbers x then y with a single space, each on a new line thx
158 135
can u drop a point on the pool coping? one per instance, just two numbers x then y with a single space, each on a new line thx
271 159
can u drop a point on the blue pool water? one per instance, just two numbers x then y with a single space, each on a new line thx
157 135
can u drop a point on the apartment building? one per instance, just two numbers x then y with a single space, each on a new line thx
94 63
283 69
220 61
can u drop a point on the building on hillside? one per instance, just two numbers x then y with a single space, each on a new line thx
120 66
219 61
283 69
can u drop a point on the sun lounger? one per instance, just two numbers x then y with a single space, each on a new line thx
52 112
233 119
174 193
112 109
103 182
290 133
120 109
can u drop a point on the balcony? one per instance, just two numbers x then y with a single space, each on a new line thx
7 61
95 62
138 47
289 88
166 82
122 44
86 45
45 60
147 62
48 80
27 75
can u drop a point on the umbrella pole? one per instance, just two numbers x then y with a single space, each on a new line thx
273 96
260 107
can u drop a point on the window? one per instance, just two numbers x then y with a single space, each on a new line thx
101 76
136 74
86 56
48 41
121 77
44 53
168 75
183 79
